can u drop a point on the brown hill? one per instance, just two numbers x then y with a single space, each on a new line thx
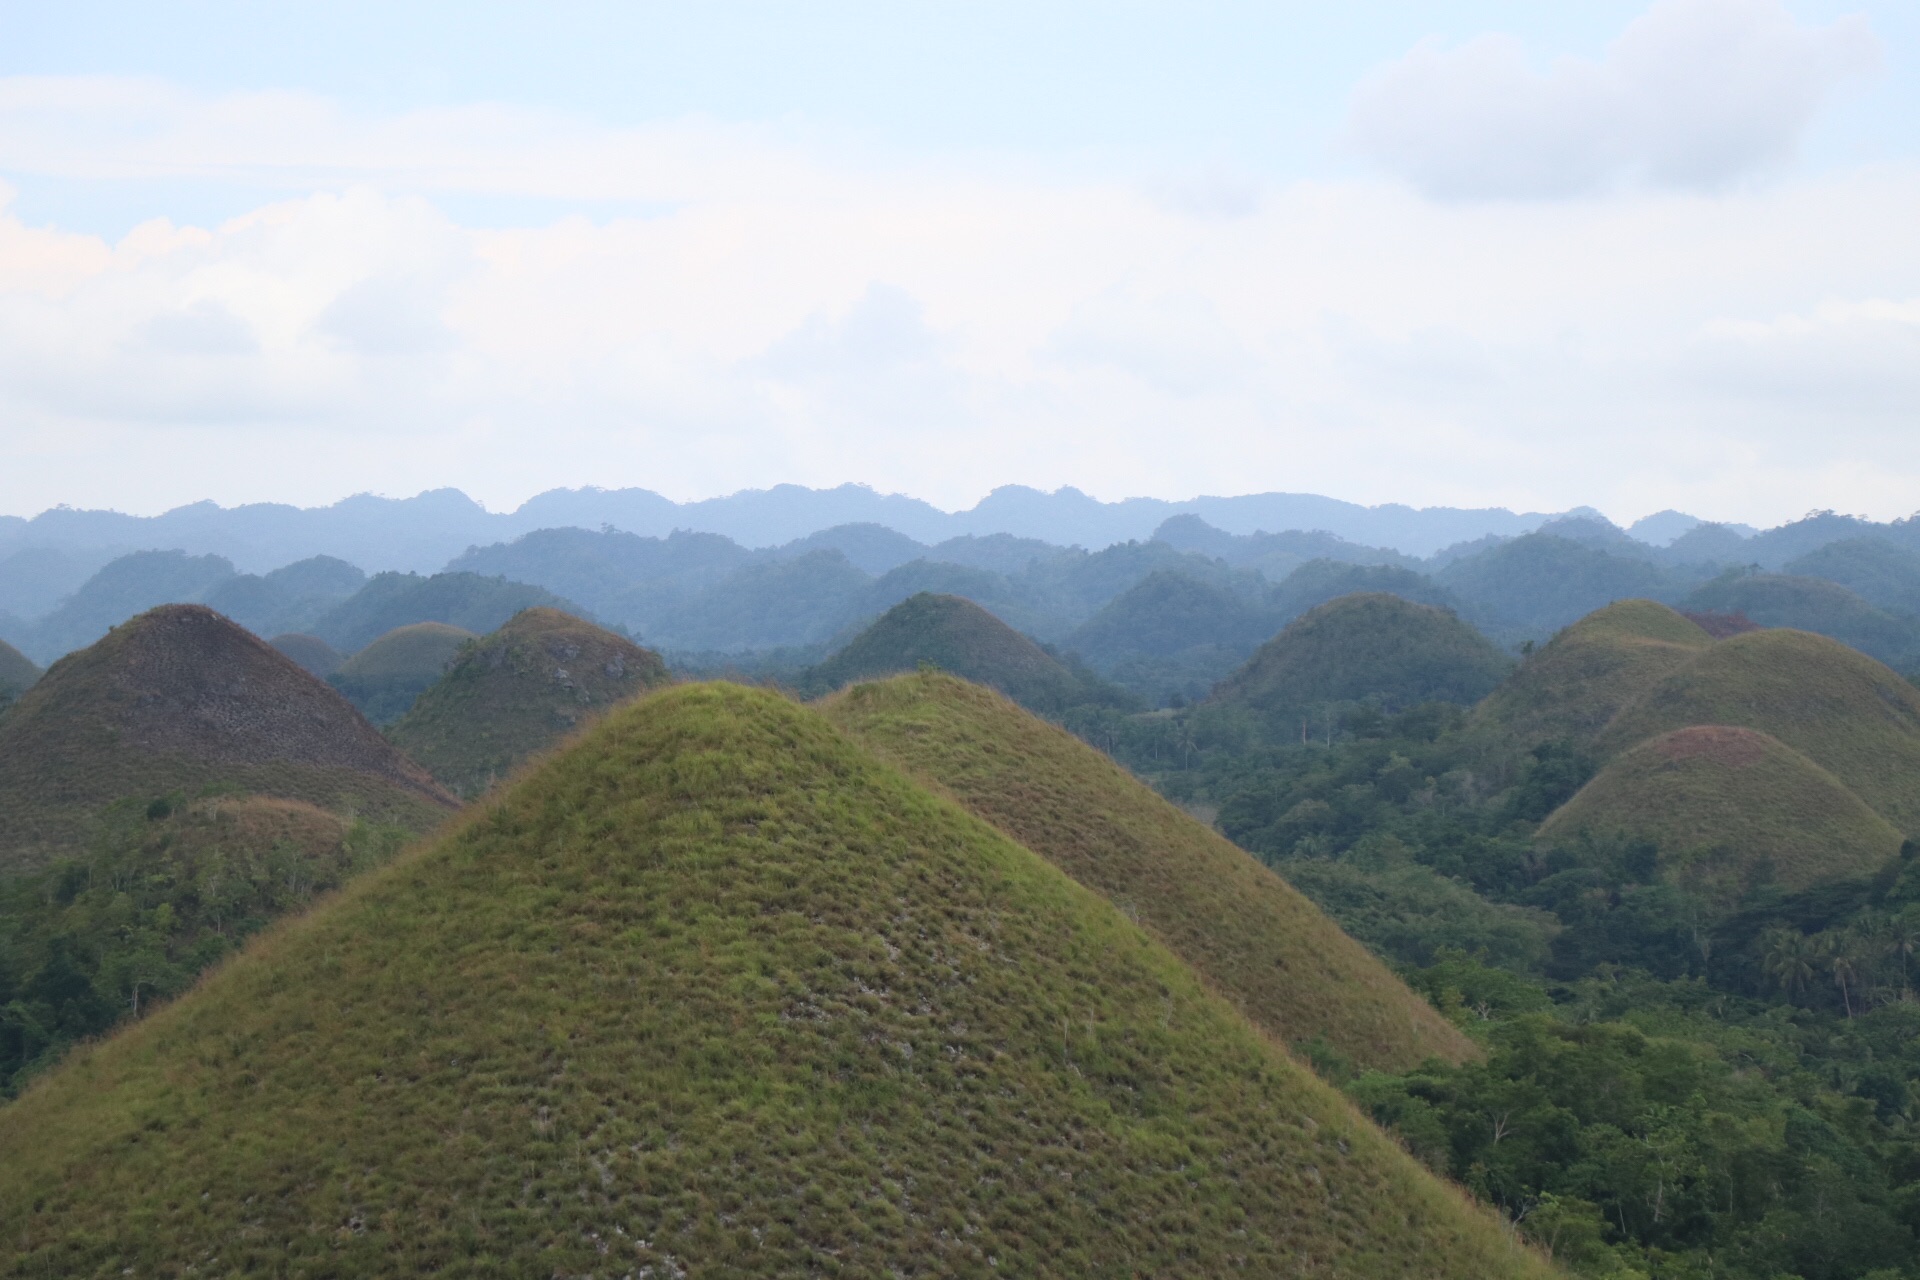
1264 945
517 692
1731 806
1575 683
180 698
1837 707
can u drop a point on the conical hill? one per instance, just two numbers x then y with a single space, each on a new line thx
1734 806
1574 684
957 635
17 673
1369 646
310 653
517 692
181 699
1839 708
1265 946
713 992
384 678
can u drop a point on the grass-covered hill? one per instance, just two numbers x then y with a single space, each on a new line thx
392 600
1730 807
1882 573
959 636
1365 647
1165 613
310 653
384 678
714 992
518 691
1570 687
17 673
1813 604
1257 941
1842 710
181 699
1534 585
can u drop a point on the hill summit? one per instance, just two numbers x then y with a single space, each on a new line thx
384 678
1731 805
714 992
1249 933
957 635
1360 647
1837 707
1578 681
516 692
180 698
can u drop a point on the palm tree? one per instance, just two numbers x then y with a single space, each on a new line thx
1791 960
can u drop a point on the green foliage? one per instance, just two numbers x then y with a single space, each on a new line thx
310 653
518 691
1816 605
1880 572
1370 648
1534 585
171 886
713 989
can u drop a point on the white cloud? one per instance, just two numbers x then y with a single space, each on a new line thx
790 311
1695 94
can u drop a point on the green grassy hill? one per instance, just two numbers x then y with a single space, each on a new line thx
181 699
1842 710
17 674
1362 647
959 636
516 693
310 653
713 993
1267 948
1813 604
384 678
1731 805
1575 683
390 601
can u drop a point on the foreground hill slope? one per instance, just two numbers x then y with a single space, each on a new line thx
957 635
1578 681
517 692
1754 808
1842 710
713 993
17 673
180 698
1265 946
1367 645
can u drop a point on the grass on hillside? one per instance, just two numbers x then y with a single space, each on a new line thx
716 993
17 673
1574 684
1366 647
310 653
1260 943
1842 710
517 692
1730 809
385 678
958 635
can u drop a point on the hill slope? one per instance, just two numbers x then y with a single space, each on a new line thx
390 601
518 691
1365 646
1839 708
1756 808
713 992
17 673
181 699
1813 604
1578 681
384 678
959 636
1267 948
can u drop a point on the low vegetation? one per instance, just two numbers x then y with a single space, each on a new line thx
713 990
1269 950
516 692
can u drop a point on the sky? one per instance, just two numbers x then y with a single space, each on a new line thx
1480 253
